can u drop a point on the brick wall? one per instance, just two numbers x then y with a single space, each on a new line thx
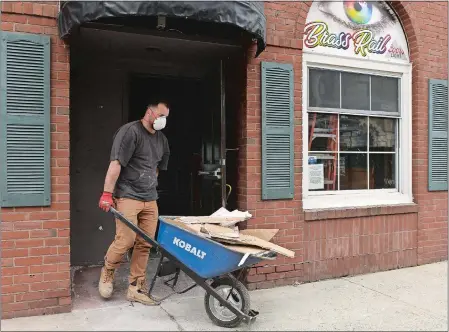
427 26
35 241
342 242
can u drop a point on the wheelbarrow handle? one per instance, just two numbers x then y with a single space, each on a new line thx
135 228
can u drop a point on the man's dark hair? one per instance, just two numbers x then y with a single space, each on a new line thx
150 105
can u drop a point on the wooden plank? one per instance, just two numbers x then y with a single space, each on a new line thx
254 241
264 234
219 231
223 221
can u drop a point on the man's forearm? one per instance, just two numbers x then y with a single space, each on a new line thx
112 176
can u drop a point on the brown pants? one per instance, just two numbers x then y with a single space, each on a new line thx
144 215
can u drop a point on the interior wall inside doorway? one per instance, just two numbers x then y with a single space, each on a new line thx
181 191
106 93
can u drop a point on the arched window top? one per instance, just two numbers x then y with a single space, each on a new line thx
358 29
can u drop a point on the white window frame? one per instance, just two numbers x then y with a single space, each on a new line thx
371 197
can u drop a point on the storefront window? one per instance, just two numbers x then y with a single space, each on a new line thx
357 107
352 131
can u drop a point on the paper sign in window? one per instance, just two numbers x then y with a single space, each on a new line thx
316 176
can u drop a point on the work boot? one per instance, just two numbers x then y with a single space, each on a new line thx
106 283
139 293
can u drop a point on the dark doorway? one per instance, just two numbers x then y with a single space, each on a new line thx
113 78
182 190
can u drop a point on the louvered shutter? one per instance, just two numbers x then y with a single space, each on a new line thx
277 131
24 120
438 135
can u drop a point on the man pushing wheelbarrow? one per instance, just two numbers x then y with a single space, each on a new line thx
139 151
211 251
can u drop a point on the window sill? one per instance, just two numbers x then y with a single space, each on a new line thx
345 206
342 213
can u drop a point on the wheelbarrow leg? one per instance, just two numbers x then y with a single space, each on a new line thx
153 281
234 279
252 314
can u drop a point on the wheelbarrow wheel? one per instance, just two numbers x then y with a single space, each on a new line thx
239 298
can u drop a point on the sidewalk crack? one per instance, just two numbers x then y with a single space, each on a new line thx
172 318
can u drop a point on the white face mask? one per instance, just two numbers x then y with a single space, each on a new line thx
159 123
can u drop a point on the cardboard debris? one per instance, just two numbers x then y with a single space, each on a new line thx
264 234
221 217
219 231
246 249
220 227
257 242
222 212
223 221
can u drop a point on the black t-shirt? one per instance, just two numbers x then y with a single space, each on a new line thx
140 153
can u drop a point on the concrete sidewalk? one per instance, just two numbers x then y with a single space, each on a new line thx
410 299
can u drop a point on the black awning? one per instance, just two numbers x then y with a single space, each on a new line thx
246 15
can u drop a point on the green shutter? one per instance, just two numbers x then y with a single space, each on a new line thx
24 120
438 136
277 131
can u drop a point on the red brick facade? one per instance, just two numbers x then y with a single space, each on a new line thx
341 242
35 241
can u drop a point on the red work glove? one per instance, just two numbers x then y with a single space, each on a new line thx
106 201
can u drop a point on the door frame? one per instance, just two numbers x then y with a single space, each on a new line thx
223 134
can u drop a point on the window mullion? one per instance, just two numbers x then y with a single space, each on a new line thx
338 149
396 156
370 92
367 154
338 138
368 147
341 103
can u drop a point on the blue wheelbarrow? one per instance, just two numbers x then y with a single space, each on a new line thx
211 265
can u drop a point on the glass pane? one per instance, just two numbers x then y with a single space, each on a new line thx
323 132
384 94
324 88
353 171
355 91
322 171
382 134
353 133
382 171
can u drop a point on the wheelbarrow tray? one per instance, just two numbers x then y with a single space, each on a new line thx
205 257
209 261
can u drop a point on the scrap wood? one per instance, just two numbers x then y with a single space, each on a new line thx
219 231
254 241
257 239
223 221
194 228
245 249
264 234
